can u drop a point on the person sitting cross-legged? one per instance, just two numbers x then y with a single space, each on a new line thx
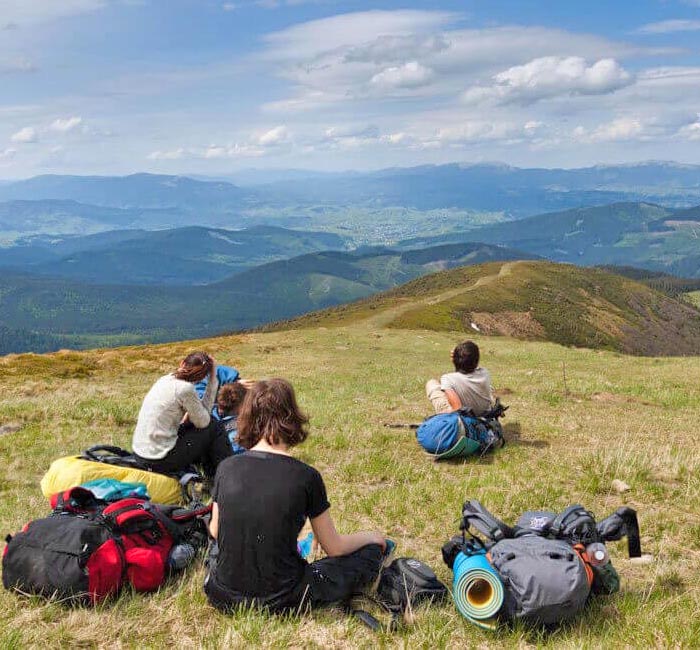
175 428
469 386
261 500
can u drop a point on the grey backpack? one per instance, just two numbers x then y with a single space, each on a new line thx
545 580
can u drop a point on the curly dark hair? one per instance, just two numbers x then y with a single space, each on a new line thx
270 411
194 367
230 398
466 357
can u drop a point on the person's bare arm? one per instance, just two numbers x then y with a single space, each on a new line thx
334 544
453 399
214 522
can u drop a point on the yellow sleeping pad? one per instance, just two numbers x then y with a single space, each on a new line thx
69 471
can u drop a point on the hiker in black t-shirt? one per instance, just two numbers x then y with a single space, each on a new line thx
261 501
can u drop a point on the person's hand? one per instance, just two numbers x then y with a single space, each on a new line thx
247 383
378 538
185 419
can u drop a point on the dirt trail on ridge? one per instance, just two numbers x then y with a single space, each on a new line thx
389 314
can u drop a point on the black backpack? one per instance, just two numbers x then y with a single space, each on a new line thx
407 582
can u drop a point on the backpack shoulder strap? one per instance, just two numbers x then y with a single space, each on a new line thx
474 514
623 522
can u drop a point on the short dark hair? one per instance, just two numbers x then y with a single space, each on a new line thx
466 357
270 411
230 398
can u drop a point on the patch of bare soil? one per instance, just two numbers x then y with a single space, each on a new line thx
518 324
668 327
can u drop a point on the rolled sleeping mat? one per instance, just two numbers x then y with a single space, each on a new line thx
477 589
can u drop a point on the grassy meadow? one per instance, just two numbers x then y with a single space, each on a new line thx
578 419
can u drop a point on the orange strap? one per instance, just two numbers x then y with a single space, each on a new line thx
581 551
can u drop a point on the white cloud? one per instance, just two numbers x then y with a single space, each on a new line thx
175 154
352 131
266 4
670 27
358 57
622 128
691 131
258 144
7 153
26 135
275 136
550 77
471 131
337 33
409 75
64 125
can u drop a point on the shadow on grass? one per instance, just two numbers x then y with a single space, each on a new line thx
512 432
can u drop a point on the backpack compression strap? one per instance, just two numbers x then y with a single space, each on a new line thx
473 513
576 525
623 522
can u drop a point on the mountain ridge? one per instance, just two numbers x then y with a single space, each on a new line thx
532 300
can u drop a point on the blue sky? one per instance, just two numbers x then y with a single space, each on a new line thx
211 87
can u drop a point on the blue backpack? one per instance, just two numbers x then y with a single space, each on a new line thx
461 433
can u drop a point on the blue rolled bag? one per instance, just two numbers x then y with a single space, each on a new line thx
461 433
542 571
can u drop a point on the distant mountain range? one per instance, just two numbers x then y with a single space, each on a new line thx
634 234
103 260
184 256
486 187
75 314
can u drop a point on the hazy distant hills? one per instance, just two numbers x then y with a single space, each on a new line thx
487 187
137 190
25 217
635 234
80 314
185 256
490 187
103 260
535 301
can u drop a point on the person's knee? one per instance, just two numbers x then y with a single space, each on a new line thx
431 386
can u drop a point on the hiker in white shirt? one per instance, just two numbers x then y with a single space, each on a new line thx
175 428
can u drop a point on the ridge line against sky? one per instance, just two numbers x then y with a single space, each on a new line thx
210 87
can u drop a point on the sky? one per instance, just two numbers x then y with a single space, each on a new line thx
210 87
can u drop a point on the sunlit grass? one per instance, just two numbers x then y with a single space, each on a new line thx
613 417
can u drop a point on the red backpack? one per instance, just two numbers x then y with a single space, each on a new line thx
85 551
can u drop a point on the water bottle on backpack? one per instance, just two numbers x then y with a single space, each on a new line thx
597 554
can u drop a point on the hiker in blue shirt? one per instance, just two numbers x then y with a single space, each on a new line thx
228 403
224 375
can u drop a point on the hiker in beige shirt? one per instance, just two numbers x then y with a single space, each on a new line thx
468 387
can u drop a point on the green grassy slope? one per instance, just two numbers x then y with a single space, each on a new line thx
614 417
536 300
